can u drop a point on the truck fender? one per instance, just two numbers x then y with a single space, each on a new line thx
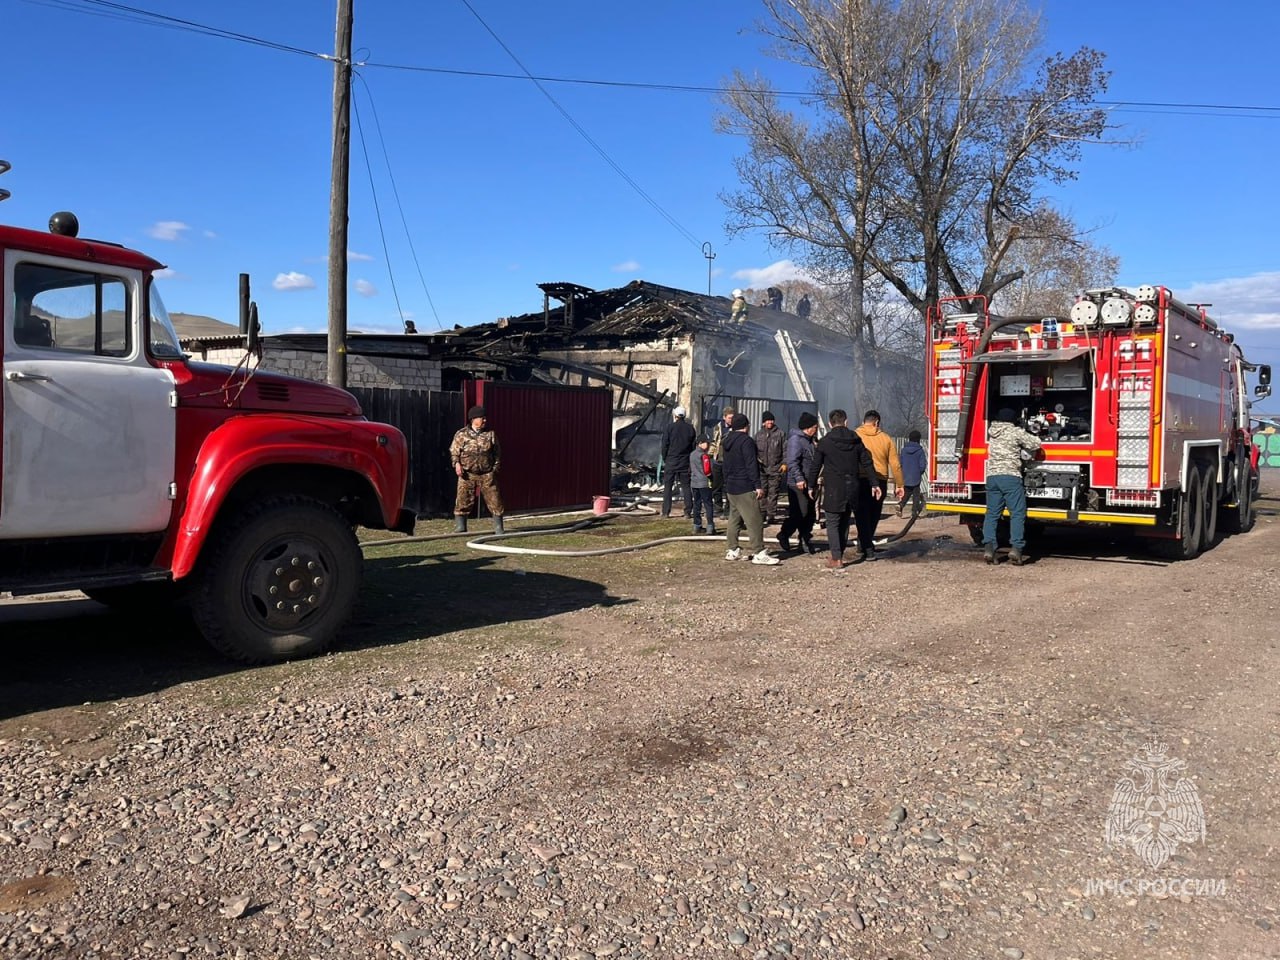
373 451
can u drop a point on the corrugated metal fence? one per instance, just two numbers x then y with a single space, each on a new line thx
555 440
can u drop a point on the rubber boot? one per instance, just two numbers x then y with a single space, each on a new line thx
497 525
1016 557
459 523
989 553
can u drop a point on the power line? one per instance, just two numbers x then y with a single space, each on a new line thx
130 14
396 192
604 155
378 213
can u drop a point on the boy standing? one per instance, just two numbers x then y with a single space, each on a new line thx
700 468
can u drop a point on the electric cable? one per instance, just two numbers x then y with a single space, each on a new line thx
377 210
395 190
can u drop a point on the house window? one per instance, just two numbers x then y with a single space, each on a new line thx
773 385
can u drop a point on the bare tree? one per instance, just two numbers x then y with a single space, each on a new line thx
1056 261
921 150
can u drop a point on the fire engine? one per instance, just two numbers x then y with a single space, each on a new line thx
1140 401
136 475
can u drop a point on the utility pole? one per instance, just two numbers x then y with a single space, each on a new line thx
707 252
338 196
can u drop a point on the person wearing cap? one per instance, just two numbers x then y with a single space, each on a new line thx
1006 445
771 444
738 312
677 443
476 457
800 507
742 486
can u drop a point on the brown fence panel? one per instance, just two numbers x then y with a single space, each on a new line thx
556 441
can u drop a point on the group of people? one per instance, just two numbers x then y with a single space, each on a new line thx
852 469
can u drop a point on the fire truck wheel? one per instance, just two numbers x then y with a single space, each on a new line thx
279 582
1209 530
1190 522
1239 519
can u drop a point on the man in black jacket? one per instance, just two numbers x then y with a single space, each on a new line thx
771 446
742 487
677 443
848 483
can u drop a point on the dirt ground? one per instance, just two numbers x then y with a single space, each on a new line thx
909 757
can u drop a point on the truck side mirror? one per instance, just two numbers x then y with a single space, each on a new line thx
254 331
1264 375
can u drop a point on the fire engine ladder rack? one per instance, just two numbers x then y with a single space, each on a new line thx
947 428
799 382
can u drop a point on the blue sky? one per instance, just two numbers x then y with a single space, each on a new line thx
213 155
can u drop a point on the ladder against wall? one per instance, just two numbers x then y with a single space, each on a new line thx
799 382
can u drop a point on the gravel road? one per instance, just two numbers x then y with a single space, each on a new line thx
660 754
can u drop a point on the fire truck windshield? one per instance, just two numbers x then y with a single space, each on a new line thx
161 337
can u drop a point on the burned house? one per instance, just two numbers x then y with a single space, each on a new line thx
654 347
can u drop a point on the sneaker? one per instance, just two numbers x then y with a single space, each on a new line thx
989 553
764 559
733 554
784 543
833 564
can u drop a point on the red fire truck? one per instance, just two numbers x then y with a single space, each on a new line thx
1139 399
135 474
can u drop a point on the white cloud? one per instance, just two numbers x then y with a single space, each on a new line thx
366 289
1240 303
293 281
166 273
627 266
352 255
167 229
775 273
210 235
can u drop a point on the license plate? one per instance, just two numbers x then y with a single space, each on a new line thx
1050 493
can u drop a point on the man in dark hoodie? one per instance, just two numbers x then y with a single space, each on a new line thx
742 487
678 441
800 507
848 473
914 462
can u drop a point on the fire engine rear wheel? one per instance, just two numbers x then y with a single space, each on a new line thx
1209 531
1240 518
279 582
1190 522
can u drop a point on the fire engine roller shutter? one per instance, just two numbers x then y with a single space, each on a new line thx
1034 356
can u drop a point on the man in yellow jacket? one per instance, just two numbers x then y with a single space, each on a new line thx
884 456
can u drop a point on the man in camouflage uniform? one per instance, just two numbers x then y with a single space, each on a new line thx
1006 444
476 457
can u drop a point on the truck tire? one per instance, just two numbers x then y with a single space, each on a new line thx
279 582
1209 529
1239 519
1190 522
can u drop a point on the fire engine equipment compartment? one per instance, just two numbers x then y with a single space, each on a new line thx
1053 396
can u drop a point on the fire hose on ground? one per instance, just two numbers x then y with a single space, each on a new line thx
637 509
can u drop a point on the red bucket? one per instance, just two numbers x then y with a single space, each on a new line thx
600 506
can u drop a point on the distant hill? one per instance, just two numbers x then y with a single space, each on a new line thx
191 326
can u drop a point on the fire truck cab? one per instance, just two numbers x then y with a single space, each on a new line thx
138 476
1140 401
